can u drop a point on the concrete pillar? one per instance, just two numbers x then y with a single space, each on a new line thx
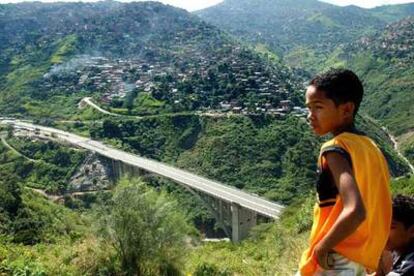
220 210
242 221
116 170
113 170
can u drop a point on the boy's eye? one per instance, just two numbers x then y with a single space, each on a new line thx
314 107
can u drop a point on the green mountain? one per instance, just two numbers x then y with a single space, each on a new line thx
302 31
385 63
316 36
392 13
139 58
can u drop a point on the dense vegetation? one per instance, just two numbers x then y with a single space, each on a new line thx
42 238
45 165
145 228
303 32
385 62
26 218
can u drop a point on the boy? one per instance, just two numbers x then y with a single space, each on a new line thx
352 217
401 239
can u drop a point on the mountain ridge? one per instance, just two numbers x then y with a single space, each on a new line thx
309 27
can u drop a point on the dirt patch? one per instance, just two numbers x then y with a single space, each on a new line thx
406 138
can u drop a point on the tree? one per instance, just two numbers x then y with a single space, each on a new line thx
61 158
145 228
9 130
10 195
110 129
129 100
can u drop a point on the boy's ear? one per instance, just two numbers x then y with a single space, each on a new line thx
411 232
348 109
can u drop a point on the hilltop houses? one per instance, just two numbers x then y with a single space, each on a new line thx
231 79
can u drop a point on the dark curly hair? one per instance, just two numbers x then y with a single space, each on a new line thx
403 210
341 86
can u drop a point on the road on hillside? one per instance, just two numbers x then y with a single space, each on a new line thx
397 149
89 102
394 142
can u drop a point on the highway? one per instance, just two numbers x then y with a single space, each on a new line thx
224 192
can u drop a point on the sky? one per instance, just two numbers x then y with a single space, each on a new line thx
366 3
192 5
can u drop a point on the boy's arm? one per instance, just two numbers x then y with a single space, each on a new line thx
385 264
353 213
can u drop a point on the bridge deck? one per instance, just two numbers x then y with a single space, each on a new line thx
213 188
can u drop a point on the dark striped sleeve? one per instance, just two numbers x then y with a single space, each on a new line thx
339 150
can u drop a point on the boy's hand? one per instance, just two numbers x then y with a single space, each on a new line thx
321 254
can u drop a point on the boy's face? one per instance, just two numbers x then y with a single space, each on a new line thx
324 116
400 237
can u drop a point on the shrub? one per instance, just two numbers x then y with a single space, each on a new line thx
145 228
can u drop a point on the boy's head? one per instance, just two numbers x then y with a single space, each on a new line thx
333 99
402 228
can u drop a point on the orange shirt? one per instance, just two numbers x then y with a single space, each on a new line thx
370 169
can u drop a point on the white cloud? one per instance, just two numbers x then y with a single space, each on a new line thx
367 3
192 5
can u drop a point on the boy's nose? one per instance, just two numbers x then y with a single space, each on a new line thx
309 116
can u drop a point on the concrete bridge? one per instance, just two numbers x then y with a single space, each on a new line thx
236 211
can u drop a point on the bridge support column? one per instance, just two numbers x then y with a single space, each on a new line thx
242 221
121 169
116 170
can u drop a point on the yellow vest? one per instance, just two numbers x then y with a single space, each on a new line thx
366 244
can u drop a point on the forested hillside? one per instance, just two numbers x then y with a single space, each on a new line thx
303 32
315 36
137 58
385 61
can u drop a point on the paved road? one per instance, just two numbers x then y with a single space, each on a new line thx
397 149
213 188
89 102
3 140
394 142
